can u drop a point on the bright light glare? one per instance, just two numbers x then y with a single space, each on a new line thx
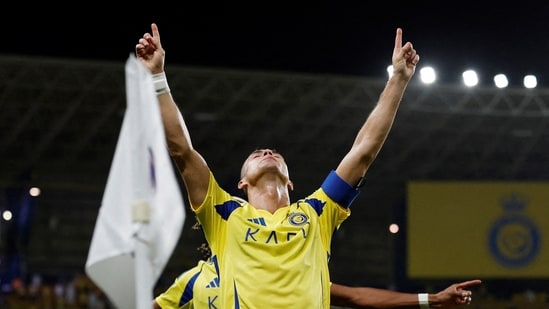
427 75
34 191
470 78
500 80
530 81
390 71
7 215
393 228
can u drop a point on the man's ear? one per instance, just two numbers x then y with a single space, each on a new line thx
290 185
242 184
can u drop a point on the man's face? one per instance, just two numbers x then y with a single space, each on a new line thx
264 160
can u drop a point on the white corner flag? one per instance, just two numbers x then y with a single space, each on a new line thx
142 211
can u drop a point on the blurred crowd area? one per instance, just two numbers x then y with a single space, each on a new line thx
79 292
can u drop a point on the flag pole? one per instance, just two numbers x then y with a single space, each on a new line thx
141 214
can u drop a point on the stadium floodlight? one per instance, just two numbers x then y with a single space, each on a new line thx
470 78
530 81
501 81
427 75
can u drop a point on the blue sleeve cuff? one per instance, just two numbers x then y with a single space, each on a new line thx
338 190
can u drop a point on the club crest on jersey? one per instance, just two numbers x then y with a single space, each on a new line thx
298 219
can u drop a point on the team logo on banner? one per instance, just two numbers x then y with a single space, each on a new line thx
514 239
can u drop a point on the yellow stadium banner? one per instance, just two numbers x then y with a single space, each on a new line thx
477 229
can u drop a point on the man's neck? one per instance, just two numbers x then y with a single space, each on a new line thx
268 197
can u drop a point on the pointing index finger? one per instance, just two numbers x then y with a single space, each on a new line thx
469 283
398 38
155 33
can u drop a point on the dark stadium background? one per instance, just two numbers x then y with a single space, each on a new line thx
62 103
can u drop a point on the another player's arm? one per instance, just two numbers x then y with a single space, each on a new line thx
365 297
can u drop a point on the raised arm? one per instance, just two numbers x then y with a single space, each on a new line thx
374 131
364 297
192 167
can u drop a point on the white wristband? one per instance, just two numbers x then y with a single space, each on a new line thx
423 299
160 83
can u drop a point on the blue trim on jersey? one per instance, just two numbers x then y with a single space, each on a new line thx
225 209
187 295
216 265
236 302
317 205
339 190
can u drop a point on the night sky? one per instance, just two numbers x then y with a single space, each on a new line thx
343 37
